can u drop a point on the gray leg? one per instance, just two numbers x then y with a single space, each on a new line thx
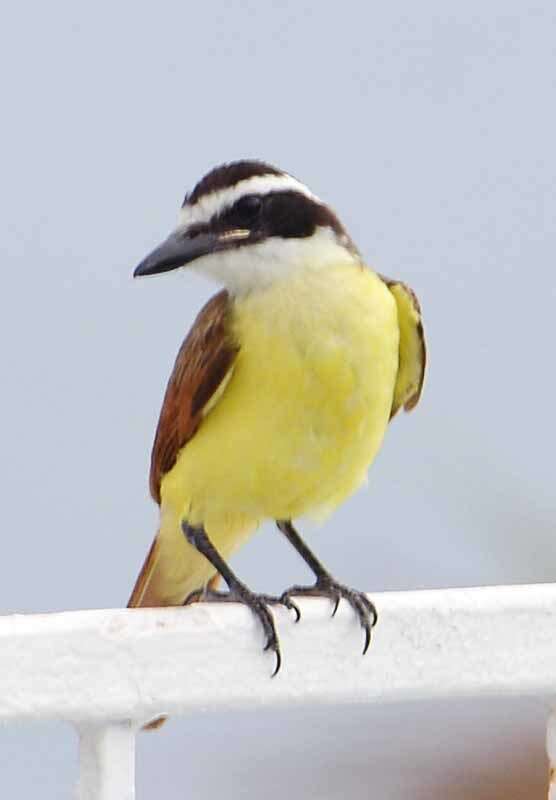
258 603
326 586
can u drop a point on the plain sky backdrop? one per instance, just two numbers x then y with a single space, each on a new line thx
430 127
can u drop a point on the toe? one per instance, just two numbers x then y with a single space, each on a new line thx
367 629
286 600
278 663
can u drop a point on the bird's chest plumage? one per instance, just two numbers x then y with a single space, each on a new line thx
305 409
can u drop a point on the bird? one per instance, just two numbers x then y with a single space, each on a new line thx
281 392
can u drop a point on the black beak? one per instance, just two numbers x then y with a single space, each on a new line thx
177 250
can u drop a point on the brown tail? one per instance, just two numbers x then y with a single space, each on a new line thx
145 595
141 596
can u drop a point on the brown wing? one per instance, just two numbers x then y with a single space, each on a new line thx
203 362
413 352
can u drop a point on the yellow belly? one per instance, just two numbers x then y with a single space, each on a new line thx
304 411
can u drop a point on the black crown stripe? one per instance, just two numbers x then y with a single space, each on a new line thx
228 175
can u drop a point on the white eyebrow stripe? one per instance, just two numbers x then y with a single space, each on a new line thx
209 205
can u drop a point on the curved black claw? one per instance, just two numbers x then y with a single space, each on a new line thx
326 586
259 608
258 604
282 600
273 644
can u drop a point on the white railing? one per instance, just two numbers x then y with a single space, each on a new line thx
109 671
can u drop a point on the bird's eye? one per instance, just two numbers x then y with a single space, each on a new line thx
249 207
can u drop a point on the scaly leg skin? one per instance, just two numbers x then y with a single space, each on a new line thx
258 603
326 586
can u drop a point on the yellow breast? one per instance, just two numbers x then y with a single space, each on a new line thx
305 409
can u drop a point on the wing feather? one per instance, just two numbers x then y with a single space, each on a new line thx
204 361
412 352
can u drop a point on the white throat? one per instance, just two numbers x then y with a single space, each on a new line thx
258 266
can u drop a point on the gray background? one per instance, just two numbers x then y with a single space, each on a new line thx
430 127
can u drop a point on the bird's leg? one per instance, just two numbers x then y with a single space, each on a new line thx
326 586
238 591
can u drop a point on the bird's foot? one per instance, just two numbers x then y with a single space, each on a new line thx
327 586
258 603
207 595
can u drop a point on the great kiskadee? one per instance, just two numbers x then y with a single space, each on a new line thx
281 392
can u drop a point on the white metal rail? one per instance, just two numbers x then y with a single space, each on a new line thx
109 671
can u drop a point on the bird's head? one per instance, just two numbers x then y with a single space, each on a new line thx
248 224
